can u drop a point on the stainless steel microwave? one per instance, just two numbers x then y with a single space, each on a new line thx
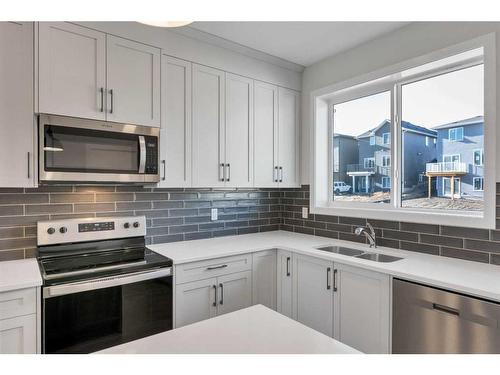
87 151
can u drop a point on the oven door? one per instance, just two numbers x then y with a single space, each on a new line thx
77 150
88 316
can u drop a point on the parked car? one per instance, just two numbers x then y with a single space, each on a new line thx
341 187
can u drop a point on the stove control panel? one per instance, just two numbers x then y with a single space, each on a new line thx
90 229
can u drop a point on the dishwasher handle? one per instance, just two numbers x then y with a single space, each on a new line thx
446 309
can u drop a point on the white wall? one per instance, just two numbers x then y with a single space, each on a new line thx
187 48
408 42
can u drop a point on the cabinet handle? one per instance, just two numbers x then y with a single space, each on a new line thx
112 101
228 172
288 266
29 164
221 294
215 295
446 309
281 174
335 280
216 267
102 99
275 174
163 162
222 176
328 278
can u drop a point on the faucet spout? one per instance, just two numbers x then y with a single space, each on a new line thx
369 233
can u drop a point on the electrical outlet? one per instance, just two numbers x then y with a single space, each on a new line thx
214 214
305 212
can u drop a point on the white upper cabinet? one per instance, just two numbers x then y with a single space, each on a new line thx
175 138
288 136
362 309
16 105
209 169
133 82
72 70
313 293
266 135
239 131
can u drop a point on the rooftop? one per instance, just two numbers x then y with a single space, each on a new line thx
468 121
405 125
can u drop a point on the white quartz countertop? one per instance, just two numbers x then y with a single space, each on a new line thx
477 279
254 330
19 274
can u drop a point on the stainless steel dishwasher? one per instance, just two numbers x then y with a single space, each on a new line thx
431 320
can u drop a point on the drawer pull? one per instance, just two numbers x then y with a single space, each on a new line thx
216 267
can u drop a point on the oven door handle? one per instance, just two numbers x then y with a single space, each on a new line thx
105 282
142 154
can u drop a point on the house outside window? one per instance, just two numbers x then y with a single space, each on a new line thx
456 134
478 157
387 138
478 183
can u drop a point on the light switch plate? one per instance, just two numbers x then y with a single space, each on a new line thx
214 214
305 212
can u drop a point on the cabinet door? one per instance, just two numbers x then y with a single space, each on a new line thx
288 137
195 301
18 335
313 293
266 135
175 138
264 278
239 131
208 127
284 283
235 292
16 105
133 82
362 315
72 70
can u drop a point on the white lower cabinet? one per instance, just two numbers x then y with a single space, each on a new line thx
362 309
235 292
18 335
312 293
264 278
284 283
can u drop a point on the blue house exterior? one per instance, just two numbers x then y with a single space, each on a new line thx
460 146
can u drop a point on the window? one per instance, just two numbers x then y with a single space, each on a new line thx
386 182
369 162
478 183
478 157
456 134
426 168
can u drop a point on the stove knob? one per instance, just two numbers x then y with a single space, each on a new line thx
126 225
63 230
51 230
136 224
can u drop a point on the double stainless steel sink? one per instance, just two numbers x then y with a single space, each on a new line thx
376 257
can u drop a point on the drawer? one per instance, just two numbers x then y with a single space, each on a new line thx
212 268
17 303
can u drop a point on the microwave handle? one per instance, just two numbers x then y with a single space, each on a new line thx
142 154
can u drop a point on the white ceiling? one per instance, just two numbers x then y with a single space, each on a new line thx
302 43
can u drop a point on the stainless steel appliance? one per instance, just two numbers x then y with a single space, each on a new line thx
431 320
101 285
78 150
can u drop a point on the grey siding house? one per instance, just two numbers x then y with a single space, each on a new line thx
460 146
345 152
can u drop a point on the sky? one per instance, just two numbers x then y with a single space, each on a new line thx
431 102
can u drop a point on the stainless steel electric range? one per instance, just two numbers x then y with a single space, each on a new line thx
101 285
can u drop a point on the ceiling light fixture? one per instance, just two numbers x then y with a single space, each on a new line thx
166 23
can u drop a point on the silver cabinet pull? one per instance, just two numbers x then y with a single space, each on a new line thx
216 267
275 174
228 172
328 278
164 163
29 164
288 266
102 99
335 280
281 174
221 294
222 176
112 101
215 295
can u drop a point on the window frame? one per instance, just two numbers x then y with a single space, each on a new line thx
389 79
383 138
374 138
385 157
385 178
481 157
372 159
461 128
474 183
